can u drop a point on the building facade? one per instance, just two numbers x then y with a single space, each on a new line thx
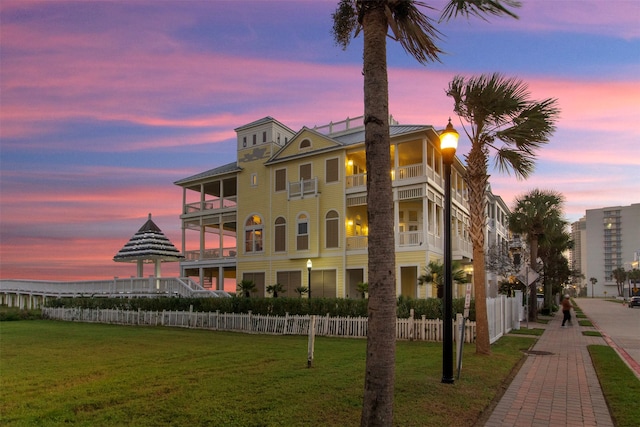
293 197
606 239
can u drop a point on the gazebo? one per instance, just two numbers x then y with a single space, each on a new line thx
148 245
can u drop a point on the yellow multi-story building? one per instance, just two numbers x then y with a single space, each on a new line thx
292 197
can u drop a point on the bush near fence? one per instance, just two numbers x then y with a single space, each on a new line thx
431 308
412 328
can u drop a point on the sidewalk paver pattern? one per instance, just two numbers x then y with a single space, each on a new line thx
557 384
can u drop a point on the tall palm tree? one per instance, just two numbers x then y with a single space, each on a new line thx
593 281
536 214
552 249
495 109
417 35
620 276
634 277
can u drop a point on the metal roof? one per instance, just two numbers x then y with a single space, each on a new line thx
220 170
357 137
149 243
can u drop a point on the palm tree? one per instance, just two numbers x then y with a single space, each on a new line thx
246 287
620 276
496 109
593 281
416 34
552 249
535 215
434 275
634 277
362 288
301 290
275 289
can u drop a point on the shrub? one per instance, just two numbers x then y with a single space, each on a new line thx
14 313
431 308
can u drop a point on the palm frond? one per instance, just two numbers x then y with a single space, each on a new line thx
478 8
345 22
522 164
413 29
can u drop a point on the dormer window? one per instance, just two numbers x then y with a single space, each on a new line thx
305 143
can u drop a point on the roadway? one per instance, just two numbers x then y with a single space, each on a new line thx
620 326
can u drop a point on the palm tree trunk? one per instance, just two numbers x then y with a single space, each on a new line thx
377 407
533 292
477 182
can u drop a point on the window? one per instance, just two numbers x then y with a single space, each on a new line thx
332 229
305 171
332 173
302 233
258 279
254 139
280 235
281 180
244 141
290 280
305 143
253 234
254 179
264 136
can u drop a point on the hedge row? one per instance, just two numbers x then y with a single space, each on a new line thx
430 307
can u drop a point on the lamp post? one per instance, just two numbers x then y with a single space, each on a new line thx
448 146
309 265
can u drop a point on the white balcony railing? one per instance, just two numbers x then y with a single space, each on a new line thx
355 243
358 180
210 205
410 238
305 187
210 254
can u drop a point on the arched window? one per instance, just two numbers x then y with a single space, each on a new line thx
305 143
302 233
332 237
253 234
280 235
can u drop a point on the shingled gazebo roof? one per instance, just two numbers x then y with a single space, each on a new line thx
149 244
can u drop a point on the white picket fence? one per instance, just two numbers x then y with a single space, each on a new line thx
423 329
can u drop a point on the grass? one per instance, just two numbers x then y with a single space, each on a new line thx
56 373
591 333
525 331
620 386
585 323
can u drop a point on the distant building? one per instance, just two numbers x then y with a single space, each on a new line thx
606 239
296 196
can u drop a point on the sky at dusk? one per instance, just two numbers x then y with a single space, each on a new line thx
104 104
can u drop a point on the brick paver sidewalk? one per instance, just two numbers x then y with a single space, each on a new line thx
557 384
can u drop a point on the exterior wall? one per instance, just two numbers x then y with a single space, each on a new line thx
418 198
612 240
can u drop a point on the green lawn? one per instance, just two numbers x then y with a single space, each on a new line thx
56 373
620 386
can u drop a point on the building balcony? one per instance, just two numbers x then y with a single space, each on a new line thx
210 205
302 188
210 254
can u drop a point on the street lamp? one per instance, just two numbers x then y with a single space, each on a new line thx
448 146
309 265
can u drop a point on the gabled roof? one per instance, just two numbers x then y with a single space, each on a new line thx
285 153
264 120
149 243
220 170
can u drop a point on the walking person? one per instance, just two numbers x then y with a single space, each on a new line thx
566 310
